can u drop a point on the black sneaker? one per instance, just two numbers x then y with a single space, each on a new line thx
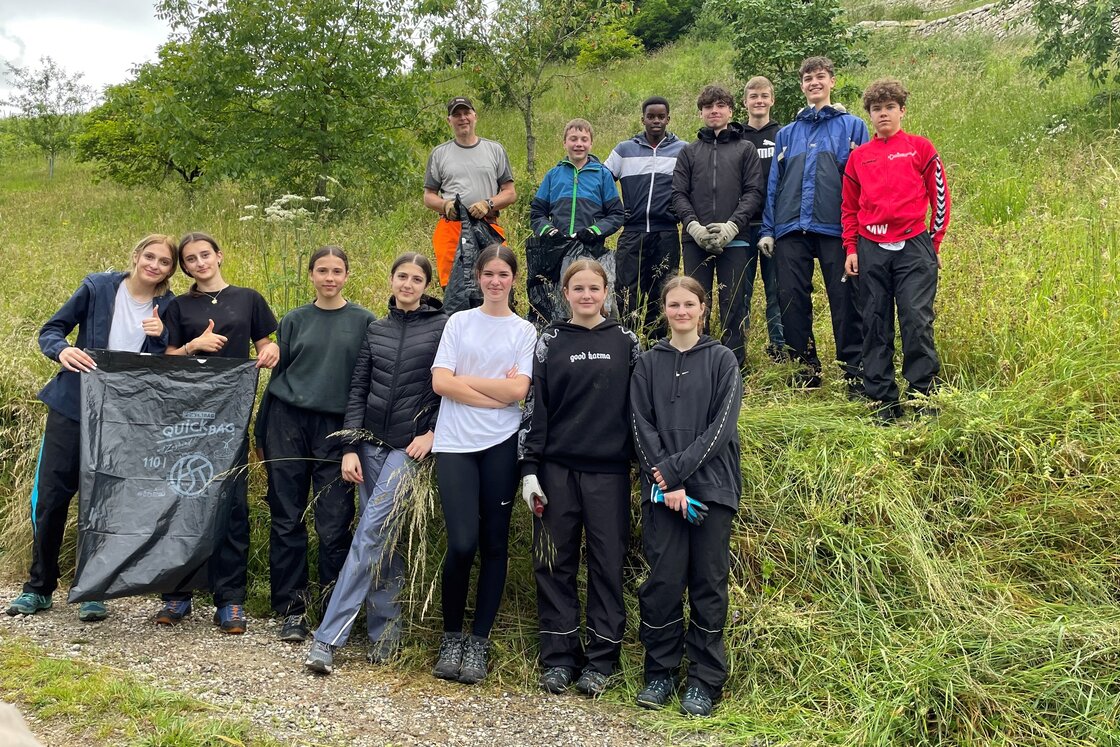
886 413
855 389
776 353
697 701
294 629
656 693
592 683
383 651
556 679
450 657
806 380
475 652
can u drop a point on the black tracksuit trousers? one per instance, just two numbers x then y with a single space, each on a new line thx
642 262
56 482
300 457
731 266
597 504
683 557
906 279
795 252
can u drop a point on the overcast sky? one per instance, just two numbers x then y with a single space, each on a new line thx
102 39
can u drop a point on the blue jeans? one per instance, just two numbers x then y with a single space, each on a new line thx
769 271
374 569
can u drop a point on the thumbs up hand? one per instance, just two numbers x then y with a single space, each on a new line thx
207 342
153 325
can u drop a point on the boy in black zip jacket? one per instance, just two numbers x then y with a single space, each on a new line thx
575 452
684 405
717 188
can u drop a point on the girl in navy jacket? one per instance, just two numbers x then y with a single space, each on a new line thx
112 310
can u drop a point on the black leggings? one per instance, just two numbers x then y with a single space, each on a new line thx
476 491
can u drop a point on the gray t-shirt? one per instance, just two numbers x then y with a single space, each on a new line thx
473 173
127 330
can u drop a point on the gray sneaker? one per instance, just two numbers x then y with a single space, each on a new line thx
475 652
294 629
592 683
450 657
320 659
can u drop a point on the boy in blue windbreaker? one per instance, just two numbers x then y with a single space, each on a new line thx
577 199
801 221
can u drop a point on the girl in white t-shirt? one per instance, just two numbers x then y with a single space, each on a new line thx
482 370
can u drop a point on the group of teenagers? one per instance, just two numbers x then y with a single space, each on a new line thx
566 410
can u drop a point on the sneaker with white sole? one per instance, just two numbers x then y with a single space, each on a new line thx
320 659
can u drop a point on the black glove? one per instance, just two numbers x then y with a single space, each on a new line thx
590 235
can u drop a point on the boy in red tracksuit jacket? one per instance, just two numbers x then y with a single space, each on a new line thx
890 184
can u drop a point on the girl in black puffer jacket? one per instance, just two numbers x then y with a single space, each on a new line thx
392 401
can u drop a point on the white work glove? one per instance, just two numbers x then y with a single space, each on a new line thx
533 494
699 234
721 234
766 246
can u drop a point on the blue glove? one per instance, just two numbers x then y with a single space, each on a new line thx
695 511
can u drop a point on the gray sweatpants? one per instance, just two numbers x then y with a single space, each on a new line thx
374 570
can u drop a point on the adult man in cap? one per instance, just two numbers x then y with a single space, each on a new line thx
472 167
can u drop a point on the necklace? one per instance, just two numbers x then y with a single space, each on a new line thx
213 297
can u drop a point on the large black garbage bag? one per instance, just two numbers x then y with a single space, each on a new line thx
161 440
546 261
462 291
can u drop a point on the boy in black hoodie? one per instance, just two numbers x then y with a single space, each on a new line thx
760 130
717 188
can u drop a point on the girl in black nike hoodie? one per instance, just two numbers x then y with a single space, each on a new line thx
575 460
684 407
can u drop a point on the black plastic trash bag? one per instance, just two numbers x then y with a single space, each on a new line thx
160 436
462 291
546 261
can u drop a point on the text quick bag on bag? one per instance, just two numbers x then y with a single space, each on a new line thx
162 440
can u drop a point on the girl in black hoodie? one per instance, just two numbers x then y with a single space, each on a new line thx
392 403
684 406
575 461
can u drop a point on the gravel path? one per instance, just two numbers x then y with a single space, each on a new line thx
257 678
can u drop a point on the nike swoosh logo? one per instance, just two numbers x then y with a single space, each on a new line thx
506 503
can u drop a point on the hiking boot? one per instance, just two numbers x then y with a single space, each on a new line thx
657 692
475 651
592 683
382 651
91 612
776 353
320 659
450 657
855 389
230 618
697 701
28 603
556 679
294 629
174 610
886 413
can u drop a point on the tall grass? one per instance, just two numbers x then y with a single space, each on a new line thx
948 581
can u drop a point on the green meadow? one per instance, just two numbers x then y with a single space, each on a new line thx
952 580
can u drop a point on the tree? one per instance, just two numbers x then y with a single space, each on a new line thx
772 37
510 48
658 22
1085 30
293 92
50 101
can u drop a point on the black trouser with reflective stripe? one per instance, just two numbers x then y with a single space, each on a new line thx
300 458
597 504
906 279
683 557
731 266
795 252
56 482
642 261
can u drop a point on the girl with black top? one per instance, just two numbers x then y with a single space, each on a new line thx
115 311
482 370
575 461
684 406
219 319
392 402
303 406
